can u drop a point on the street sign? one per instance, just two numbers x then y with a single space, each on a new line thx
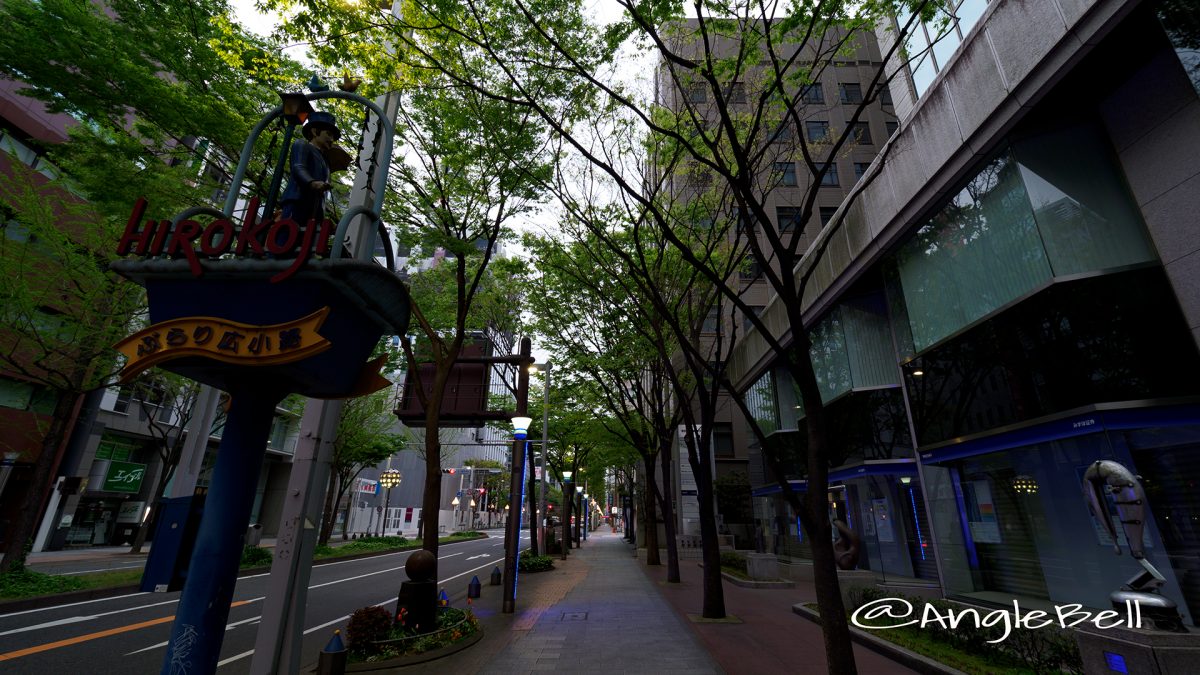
124 477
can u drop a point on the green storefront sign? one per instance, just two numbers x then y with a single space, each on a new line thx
124 477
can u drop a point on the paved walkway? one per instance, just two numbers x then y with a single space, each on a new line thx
605 611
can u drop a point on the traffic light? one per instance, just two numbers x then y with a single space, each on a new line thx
449 471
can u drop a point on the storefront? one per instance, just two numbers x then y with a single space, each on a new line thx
1012 523
114 501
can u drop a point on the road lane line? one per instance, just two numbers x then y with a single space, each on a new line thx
106 569
164 643
92 636
76 619
347 616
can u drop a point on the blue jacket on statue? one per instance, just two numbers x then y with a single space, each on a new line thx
300 202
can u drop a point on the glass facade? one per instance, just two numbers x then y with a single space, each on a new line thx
930 44
1013 523
1032 331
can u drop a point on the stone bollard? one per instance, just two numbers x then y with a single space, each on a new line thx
496 577
473 587
332 660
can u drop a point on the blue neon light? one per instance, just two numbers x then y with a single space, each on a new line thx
1116 662
920 539
521 524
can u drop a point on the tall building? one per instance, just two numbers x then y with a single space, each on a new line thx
826 108
1016 296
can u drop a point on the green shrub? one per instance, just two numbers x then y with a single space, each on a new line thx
466 533
1041 650
323 550
27 583
367 625
534 563
253 556
734 561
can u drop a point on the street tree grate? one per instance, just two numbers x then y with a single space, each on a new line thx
574 616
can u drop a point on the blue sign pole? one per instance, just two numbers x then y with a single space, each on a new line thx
199 626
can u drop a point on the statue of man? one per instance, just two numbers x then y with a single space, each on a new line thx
304 198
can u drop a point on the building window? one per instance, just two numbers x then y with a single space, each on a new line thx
927 60
783 134
737 92
712 321
697 93
816 131
749 269
786 171
813 94
827 214
885 94
891 126
860 170
850 93
862 133
723 439
788 217
830 178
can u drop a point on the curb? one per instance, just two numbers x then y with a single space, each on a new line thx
754 583
893 651
42 601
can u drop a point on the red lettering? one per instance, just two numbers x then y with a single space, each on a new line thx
274 245
221 226
323 246
251 232
134 235
301 254
160 238
181 242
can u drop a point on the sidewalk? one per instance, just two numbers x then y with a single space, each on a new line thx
604 611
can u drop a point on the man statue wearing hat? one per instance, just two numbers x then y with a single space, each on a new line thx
304 198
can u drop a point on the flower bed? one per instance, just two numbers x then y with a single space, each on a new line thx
457 629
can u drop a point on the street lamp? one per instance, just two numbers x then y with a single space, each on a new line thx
545 443
586 514
566 525
388 479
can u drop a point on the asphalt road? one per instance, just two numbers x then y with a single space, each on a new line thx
128 634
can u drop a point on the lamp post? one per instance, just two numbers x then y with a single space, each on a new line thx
587 512
512 528
388 479
568 497
544 516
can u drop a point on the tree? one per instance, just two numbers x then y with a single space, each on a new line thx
363 440
750 68
62 313
160 395
150 118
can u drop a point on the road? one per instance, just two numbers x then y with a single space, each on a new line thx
128 634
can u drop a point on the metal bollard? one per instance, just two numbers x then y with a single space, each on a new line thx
333 657
443 600
496 577
473 587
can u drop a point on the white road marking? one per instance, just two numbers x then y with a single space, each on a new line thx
106 569
77 619
347 616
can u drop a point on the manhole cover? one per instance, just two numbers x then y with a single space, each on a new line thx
574 616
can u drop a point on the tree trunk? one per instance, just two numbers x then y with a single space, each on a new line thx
568 503
37 490
839 653
668 512
710 545
164 476
651 520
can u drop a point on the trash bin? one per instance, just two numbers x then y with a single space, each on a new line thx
254 535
